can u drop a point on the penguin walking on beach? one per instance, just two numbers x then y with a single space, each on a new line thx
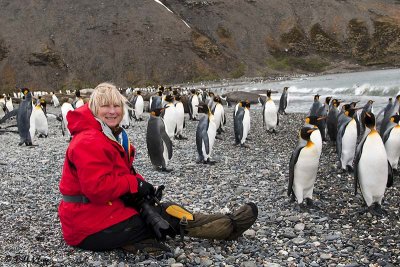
180 118
54 100
303 168
169 116
241 123
346 140
38 122
270 114
322 114
137 103
193 105
283 101
205 135
391 139
24 118
372 171
219 114
332 120
155 101
159 145
65 108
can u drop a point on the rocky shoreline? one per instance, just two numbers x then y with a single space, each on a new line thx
336 234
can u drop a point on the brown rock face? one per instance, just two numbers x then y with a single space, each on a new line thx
51 45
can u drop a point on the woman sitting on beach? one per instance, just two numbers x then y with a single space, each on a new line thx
106 204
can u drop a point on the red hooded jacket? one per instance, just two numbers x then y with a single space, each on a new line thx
98 168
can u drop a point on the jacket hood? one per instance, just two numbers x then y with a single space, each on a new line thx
82 119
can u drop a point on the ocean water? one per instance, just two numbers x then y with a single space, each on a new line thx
376 85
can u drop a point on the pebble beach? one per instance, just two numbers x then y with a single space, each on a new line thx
337 233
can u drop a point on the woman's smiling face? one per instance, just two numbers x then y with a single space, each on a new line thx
111 115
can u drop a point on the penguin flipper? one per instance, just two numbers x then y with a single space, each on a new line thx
263 115
390 176
292 164
277 118
356 161
9 115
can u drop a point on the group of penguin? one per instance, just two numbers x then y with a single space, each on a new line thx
167 121
32 117
370 155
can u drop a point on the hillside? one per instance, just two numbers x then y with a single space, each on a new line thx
60 44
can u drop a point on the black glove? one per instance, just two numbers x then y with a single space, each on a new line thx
145 189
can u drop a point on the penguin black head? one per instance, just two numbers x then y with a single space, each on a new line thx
211 94
159 93
285 88
193 91
169 98
316 97
139 92
78 93
269 93
25 90
313 120
351 111
161 88
306 132
157 112
178 97
395 118
335 102
203 108
217 99
369 120
353 104
398 97
247 104
328 99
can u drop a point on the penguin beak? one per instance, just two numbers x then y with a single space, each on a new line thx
311 130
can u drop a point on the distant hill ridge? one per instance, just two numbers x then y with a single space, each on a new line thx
77 44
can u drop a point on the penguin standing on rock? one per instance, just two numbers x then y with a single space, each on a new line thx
23 118
219 114
303 168
372 171
159 145
180 118
38 122
346 140
270 114
205 135
241 123
169 116
193 105
332 120
283 101
391 139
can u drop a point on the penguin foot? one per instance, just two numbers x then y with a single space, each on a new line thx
210 162
349 169
310 204
301 207
245 145
218 137
165 169
376 210
21 143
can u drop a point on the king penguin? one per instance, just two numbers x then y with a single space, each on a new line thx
65 108
193 105
159 145
38 122
219 114
372 171
346 140
303 168
180 118
316 138
138 105
391 139
55 100
332 120
23 118
283 101
270 114
241 123
205 135
169 116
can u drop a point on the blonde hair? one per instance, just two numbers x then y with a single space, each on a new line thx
106 94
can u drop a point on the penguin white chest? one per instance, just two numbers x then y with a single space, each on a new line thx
211 133
317 140
246 125
373 169
349 142
270 115
305 172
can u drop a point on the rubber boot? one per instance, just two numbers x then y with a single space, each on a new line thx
223 226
